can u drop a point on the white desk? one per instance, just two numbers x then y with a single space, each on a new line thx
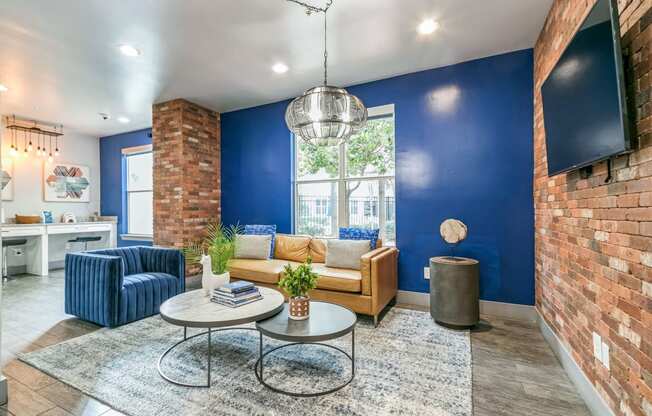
37 234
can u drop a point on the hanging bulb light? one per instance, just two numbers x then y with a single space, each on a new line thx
30 147
50 158
56 142
24 144
325 115
13 149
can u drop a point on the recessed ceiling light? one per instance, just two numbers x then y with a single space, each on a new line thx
427 27
123 120
280 68
129 50
3 88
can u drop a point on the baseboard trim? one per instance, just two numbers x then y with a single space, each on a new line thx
16 270
499 309
585 388
413 298
57 264
4 396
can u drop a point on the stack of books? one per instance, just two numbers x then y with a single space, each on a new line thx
236 294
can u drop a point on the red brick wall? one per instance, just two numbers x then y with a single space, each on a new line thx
186 143
593 244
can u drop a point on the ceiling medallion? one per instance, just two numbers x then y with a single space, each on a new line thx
325 115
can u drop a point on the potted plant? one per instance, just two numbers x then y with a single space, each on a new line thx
213 253
297 283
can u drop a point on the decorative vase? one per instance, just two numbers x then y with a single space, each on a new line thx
299 308
212 282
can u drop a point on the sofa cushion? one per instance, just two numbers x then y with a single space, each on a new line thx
318 250
354 233
292 247
142 294
342 280
263 271
260 229
346 254
130 258
252 246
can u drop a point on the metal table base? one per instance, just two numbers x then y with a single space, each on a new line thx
209 355
258 367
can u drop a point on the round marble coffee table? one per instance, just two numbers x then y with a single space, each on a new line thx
195 310
327 321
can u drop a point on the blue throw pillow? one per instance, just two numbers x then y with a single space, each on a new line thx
257 229
353 233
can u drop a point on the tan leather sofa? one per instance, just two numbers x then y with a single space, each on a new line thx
366 291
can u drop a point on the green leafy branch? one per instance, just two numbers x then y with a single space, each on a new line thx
219 243
300 281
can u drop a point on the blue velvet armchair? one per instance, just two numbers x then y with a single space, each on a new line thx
117 286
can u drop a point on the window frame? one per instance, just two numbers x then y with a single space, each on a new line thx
126 153
383 111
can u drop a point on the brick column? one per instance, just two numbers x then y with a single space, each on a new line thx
186 144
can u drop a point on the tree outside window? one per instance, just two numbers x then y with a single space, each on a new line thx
360 170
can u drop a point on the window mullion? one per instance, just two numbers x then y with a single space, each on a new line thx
381 208
343 201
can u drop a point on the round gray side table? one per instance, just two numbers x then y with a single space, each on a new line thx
327 321
454 291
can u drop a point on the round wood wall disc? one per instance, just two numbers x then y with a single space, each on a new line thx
452 231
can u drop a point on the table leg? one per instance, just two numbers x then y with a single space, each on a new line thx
352 353
260 355
185 334
208 383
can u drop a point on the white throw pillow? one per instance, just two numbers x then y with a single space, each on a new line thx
345 254
249 246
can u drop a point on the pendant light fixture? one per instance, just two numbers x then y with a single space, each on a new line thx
46 138
325 115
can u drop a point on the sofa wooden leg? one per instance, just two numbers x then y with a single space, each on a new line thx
375 321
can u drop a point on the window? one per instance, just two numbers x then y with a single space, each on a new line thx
348 185
140 206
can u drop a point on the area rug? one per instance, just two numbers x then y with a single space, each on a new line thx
407 366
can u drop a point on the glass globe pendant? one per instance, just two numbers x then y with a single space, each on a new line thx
325 115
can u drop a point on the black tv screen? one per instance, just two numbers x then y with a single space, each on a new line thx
584 110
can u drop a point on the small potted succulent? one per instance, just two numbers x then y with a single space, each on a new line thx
297 283
214 253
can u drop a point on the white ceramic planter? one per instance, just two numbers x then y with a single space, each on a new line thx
209 283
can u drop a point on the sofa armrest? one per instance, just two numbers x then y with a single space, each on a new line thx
92 287
365 268
384 278
165 260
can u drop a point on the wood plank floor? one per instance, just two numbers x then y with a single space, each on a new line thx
514 371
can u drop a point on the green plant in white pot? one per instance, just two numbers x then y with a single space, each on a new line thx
297 283
214 253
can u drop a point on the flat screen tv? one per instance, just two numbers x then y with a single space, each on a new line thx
584 106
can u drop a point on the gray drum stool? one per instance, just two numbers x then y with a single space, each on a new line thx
454 291
5 244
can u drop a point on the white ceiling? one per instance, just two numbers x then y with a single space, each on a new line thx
61 63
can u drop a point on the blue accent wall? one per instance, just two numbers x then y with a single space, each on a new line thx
112 168
463 150
257 167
